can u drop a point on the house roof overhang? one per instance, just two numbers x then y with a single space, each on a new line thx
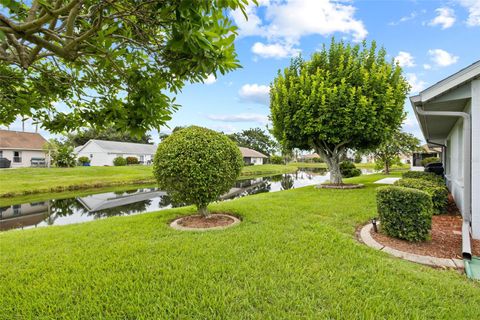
450 94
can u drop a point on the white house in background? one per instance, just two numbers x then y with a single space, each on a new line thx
23 149
251 156
449 116
102 152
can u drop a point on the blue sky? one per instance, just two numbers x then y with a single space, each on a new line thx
431 40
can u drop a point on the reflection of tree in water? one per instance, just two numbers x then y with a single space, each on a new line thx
140 206
262 187
276 178
287 182
166 200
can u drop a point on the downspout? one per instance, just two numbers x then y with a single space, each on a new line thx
467 182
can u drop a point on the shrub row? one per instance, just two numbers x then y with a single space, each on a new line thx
405 213
439 193
430 176
428 160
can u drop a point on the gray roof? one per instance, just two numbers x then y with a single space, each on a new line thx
250 153
123 147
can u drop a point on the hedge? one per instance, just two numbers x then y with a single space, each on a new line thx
348 169
430 176
132 160
438 193
428 160
404 213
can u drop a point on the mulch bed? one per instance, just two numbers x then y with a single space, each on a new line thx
340 186
446 237
213 220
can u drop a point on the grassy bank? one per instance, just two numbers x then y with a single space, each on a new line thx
24 181
293 256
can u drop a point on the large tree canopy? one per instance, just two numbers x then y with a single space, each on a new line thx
345 97
255 139
108 63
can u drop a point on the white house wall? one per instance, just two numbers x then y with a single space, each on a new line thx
26 156
99 157
454 166
475 118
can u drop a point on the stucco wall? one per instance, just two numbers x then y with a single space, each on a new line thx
454 165
26 156
475 114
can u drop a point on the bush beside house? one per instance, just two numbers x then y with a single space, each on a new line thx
438 193
132 160
405 213
84 161
119 161
429 176
276 159
428 160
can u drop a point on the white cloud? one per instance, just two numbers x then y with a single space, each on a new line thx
254 93
411 16
416 84
442 58
275 50
240 117
426 66
405 59
473 7
210 79
225 128
286 22
445 18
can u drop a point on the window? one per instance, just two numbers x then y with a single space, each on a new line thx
17 156
1 154
91 155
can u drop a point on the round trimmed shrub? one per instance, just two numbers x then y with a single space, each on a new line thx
132 160
348 169
196 165
405 213
429 176
119 161
428 160
438 192
84 160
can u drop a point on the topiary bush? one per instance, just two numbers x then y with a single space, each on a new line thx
132 160
348 169
404 213
276 159
196 165
429 176
439 193
428 160
83 161
119 161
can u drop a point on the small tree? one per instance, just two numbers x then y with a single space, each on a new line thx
64 157
346 97
196 165
255 139
396 144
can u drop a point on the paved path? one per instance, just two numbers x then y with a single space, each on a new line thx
387 181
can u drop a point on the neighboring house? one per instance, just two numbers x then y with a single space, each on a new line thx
429 151
102 152
449 116
309 157
23 149
251 156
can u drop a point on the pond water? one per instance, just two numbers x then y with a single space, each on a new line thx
136 200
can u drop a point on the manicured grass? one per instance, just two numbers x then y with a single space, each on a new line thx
39 180
294 256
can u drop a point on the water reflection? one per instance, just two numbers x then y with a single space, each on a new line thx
102 205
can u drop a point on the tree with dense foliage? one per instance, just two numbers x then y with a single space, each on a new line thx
396 144
196 165
111 63
345 97
81 137
256 139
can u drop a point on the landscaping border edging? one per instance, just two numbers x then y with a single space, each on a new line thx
337 187
175 224
366 238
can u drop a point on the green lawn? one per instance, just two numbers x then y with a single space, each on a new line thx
294 256
36 180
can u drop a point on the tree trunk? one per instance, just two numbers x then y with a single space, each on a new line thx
387 168
334 168
203 210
